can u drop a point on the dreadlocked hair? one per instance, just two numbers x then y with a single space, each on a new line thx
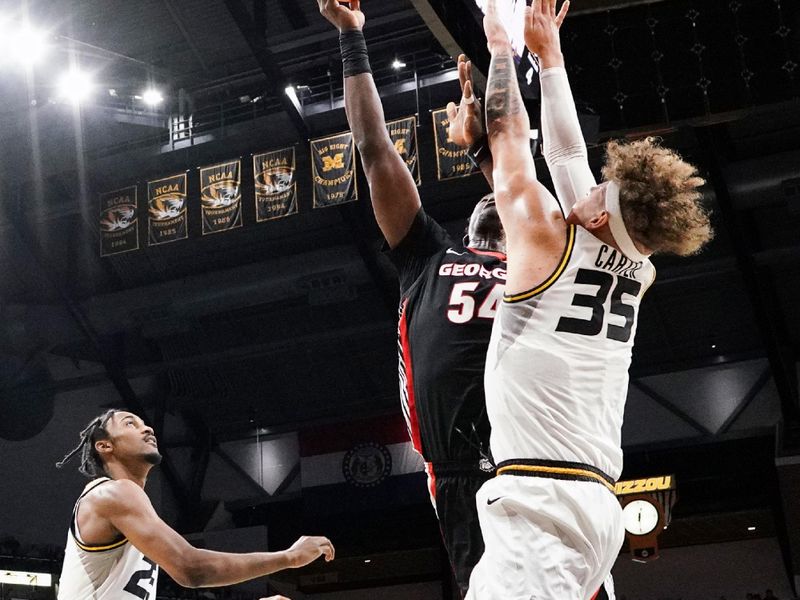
91 465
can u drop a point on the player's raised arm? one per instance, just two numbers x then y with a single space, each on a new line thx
535 231
395 199
125 505
563 143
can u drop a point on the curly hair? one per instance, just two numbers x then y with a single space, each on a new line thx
91 464
659 197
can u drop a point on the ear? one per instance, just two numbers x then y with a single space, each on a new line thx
598 221
103 446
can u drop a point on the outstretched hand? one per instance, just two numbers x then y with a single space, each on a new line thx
308 548
344 18
541 27
466 122
493 27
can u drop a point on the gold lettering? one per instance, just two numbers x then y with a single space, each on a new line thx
214 177
335 162
166 189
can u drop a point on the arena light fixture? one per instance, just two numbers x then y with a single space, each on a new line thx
152 97
398 64
25 46
26 579
75 86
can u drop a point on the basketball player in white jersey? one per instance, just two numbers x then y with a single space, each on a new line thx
117 542
557 366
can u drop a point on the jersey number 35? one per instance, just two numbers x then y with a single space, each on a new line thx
594 324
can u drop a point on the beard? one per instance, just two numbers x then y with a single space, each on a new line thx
153 458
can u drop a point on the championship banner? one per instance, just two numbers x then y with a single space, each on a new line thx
333 168
221 196
275 184
451 160
119 221
404 137
166 201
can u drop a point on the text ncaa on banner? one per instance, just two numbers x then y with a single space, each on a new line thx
403 133
275 184
119 221
166 208
451 160
333 169
221 196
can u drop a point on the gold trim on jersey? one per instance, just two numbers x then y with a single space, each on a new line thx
576 473
86 548
649 285
553 277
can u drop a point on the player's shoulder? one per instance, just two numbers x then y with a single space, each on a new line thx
113 494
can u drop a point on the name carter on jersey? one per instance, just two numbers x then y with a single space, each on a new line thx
616 262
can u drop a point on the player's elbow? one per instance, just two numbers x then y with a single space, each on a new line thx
187 572
374 148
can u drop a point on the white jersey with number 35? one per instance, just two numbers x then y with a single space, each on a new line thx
116 571
557 366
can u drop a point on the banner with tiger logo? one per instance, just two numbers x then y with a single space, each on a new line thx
221 196
451 160
403 133
119 221
275 184
333 168
166 208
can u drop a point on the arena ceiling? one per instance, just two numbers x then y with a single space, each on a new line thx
291 323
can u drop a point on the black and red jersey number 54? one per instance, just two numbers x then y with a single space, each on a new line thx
465 304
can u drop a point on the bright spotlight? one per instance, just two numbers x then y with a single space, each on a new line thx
27 46
398 64
21 44
152 97
75 86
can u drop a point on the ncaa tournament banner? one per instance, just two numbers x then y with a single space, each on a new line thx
119 221
221 196
451 160
166 210
403 133
275 184
333 168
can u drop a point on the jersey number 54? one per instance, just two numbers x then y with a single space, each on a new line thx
461 308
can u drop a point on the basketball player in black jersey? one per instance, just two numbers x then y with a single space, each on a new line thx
449 294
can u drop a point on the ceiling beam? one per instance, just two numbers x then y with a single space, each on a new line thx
291 9
462 38
256 39
175 13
